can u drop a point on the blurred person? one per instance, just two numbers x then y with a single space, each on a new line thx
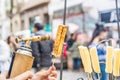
41 50
75 52
100 33
110 32
71 40
84 39
11 42
4 56
50 74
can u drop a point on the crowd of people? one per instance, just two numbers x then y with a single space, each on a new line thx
100 33
42 51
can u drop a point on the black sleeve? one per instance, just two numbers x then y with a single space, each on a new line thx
36 53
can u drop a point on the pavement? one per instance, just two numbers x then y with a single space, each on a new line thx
73 75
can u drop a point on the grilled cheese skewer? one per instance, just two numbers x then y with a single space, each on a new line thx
87 60
116 66
59 41
95 60
109 57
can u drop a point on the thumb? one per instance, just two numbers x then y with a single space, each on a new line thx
53 68
49 71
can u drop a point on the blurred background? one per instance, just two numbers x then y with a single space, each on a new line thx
19 16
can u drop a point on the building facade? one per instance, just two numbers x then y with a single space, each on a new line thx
24 13
4 21
34 11
76 15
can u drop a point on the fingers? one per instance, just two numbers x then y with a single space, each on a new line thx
54 74
48 72
24 76
51 78
53 67
42 75
2 77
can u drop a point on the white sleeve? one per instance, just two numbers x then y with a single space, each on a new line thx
4 51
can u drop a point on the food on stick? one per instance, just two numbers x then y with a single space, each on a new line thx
95 60
85 56
87 60
59 41
116 66
109 59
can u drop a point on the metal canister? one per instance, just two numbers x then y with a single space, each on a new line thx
26 50
22 55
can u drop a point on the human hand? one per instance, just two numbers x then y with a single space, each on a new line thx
2 77
25 76
50 74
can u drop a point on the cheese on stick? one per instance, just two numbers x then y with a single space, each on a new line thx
95 60
57 40
83 57
116 66
87 60
109 57
57 50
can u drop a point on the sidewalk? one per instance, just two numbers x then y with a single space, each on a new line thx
72 75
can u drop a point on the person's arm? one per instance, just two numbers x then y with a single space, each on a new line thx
72 48
4 51
50 74
25 76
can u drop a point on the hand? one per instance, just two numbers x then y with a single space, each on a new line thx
2 77
51 74
25 76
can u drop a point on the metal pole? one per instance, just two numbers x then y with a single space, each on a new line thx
64 22
11 14
64 16
117 13
83 21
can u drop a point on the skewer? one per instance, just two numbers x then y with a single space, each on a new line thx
90 76
109 61
99 76
110 76
58 45
115 78
85 56
103 41
118 25
116 66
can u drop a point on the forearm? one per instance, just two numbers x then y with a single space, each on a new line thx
3 58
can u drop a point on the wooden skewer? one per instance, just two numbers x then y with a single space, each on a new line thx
90 76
